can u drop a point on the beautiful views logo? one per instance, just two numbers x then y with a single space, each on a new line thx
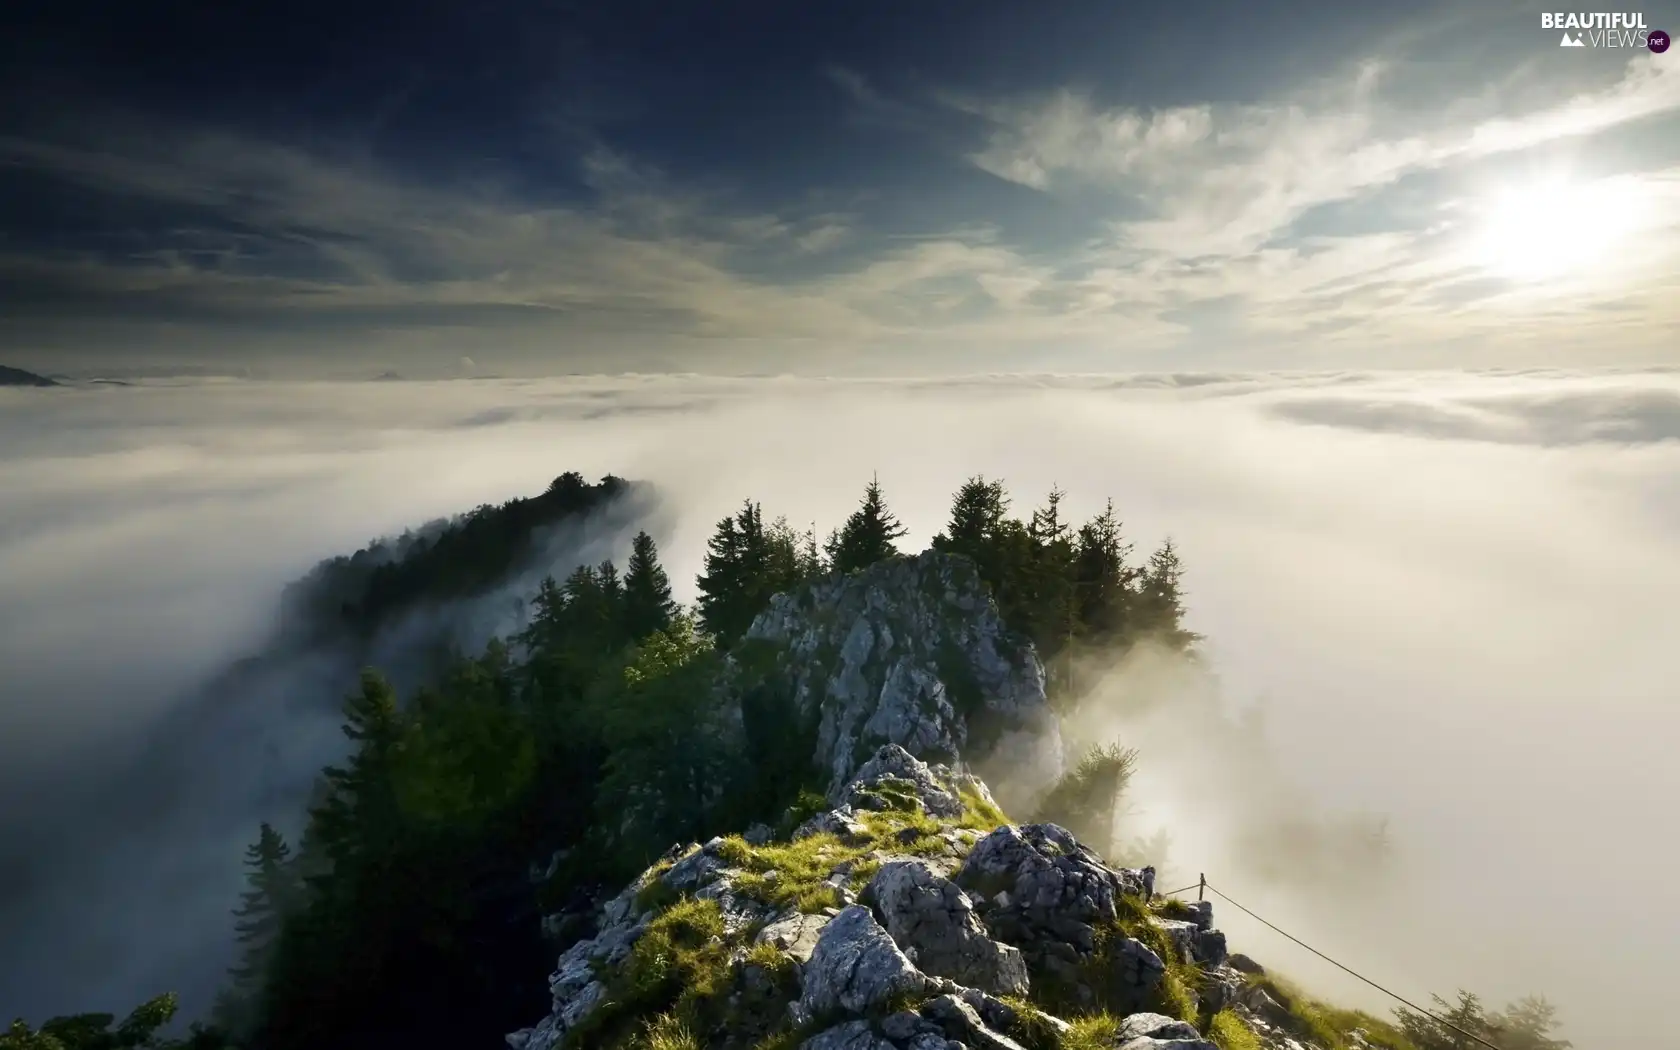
1605 29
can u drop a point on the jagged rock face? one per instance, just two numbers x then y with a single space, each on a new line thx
910 652
918 959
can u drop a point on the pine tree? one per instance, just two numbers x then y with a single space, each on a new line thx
263 905
734 586
1466 1015
1103 579
869 534
1161 599
359 810
793 557
647 591
978 511
1527 1024
1052 613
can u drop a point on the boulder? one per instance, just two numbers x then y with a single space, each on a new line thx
854 967
1151 1031
933 920
852 1035
794 933
962 1023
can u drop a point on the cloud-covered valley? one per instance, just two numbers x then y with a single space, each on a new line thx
1450 595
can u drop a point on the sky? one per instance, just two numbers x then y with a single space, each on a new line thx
331 190
1449 595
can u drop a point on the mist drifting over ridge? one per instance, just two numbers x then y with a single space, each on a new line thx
1452 592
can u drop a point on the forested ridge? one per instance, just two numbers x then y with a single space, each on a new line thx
527 779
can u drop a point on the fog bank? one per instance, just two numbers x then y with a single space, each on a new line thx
1454 594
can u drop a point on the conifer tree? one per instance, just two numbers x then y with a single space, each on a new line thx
869 534
359 810
793 557
1053 615
263 905
1103 578
977 514
1161 599
734 585
647 591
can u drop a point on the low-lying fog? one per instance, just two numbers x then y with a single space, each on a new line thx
1453 596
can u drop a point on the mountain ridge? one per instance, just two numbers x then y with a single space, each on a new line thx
20 377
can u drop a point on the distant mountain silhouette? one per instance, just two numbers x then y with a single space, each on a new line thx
18 377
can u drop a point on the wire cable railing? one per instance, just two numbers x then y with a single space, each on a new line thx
1202 887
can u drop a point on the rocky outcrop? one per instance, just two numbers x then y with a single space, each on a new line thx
909 652
924 944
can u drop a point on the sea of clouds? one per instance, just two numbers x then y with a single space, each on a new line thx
1453 596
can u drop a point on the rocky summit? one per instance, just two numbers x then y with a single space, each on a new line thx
914 917
912 652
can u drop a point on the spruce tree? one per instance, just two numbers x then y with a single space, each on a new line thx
263 905
1103 579
977 515
647 591
734 585
1052 615
359 812
869 534
1161 599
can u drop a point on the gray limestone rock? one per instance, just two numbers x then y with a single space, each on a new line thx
963 1023
852 1035
1154 1026
1037 888
909 652
855 966
1151 1031
930 914
794 933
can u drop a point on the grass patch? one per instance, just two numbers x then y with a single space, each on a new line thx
1228 1032
678 990
1094 1032
1173 908
1031 1029
665 1032
980 815
654 894
1102 973
1326 1025
795 874
1175 996
806 804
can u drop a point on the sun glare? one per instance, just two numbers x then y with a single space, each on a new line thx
1554 229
